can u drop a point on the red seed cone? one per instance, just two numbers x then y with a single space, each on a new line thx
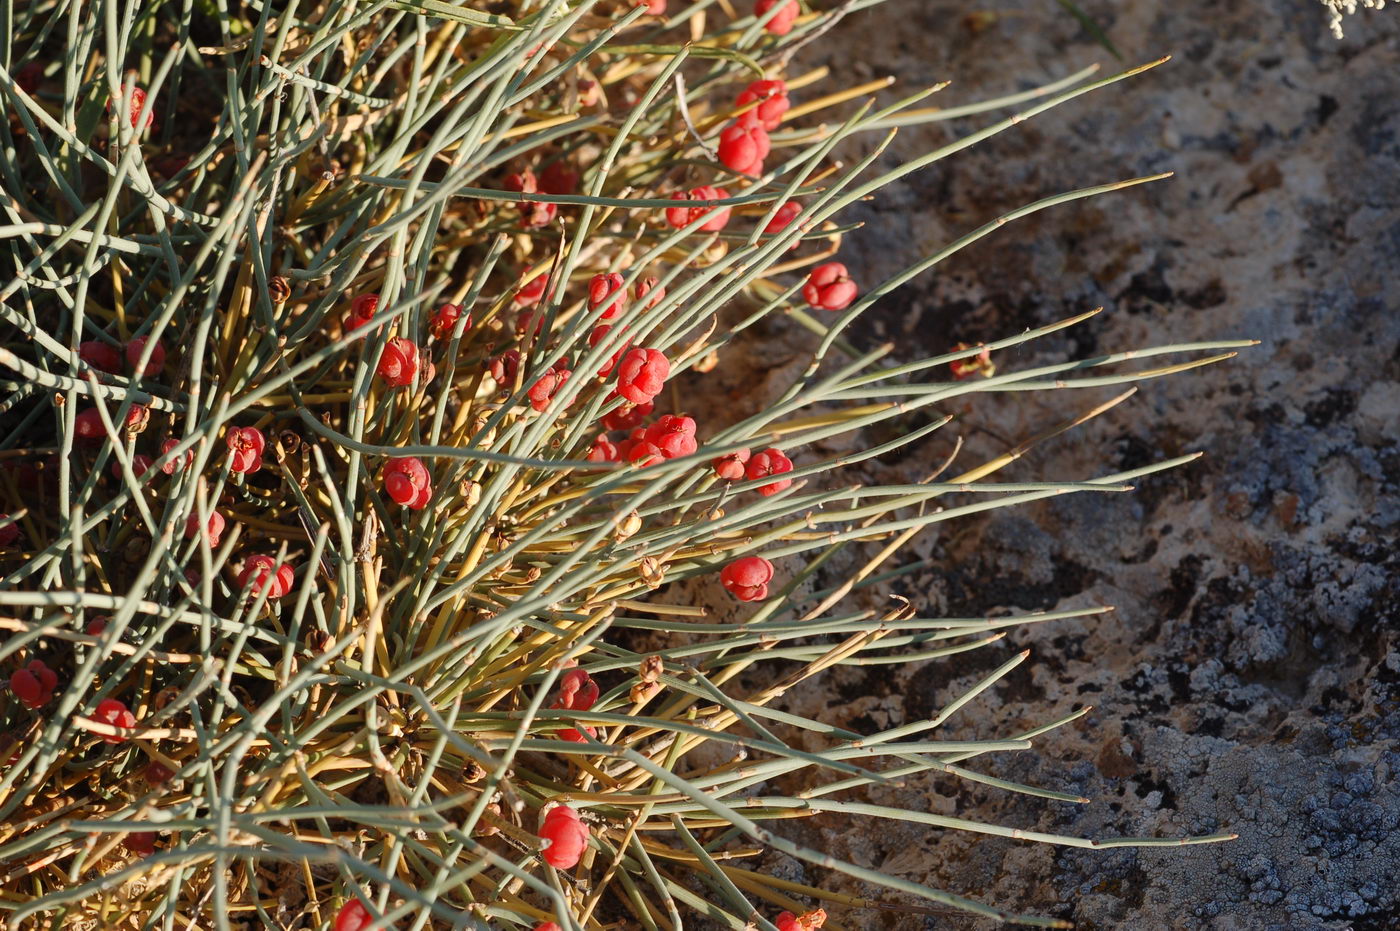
775 103
747 578
642 374
408 482
743 147
262 571
829 287
769 462
566 837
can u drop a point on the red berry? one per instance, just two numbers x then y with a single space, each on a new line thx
445 321
521 182
747 578
769 113
785 215
353 916
504 368
769 462
529 322
730 466
33 684
398 364
742 148
101 355
9 533
135 99
602 450
572 734
212 531
565 836
179 463
627 416
642 374
809 921
137 416
829 287
543 391
781 23
158 773
534 214
674 435
678 217
595 337
263 572
606 290
141 843
549 925
642 453
654 8
110 711
577 691
408 482
137 348
558 178
649 290
361 311
96 626
532 292
87 425
246 446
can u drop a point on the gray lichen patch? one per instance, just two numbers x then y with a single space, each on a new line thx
1250 678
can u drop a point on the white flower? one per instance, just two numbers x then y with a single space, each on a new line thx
1337 8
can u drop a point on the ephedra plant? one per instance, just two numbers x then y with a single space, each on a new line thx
355 438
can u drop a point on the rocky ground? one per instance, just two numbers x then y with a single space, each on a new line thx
1250 679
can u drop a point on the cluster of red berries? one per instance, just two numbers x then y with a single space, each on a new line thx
401 363
747 577
739 465
743 146
557 178
107 357
671 437
744 143
33 684
88 428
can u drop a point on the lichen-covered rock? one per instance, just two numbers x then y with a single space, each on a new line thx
1250 679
